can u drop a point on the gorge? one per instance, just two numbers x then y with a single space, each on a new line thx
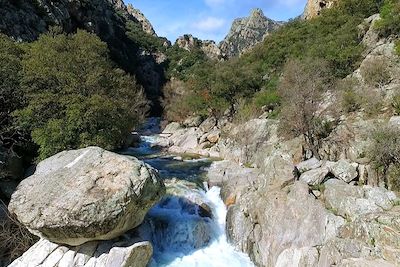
278 146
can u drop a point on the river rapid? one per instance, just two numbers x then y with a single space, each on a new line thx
183 234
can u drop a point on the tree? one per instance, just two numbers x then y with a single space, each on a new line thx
302 86
11 97
75 95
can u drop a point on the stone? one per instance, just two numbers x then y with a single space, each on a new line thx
314 7
92 254
281 227
208 124
214 136
172 128
193 121
87 194
348 201
394 121
345 170
314 177
205 145
307 165
380 196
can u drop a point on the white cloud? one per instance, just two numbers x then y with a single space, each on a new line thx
209 24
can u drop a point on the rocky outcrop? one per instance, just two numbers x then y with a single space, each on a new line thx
138 15
245 33
191 43
90 194
123 253
314 7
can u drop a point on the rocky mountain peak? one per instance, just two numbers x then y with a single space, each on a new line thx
247 32
314 7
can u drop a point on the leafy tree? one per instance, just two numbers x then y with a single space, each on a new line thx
75 95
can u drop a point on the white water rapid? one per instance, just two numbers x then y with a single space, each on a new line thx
217 253
181 234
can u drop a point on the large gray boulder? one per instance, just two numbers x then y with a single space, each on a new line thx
92 254
345 170
88 194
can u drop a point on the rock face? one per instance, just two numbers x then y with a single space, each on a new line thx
314 7
245 33
99 254
146 25
191 43
88 194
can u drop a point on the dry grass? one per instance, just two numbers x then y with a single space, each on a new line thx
15 239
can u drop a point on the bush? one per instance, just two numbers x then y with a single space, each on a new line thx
397 47
396 103
351 101
390 18
302 87
376 72
385 150
76 97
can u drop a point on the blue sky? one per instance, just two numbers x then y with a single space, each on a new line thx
209 19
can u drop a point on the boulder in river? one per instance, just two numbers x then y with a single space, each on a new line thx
87 194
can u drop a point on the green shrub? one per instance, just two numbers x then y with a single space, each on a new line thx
385 151
397 47
76 97
389 24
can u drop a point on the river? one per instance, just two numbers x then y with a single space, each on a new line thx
182 235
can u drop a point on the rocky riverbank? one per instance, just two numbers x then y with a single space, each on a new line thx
81 203
284 211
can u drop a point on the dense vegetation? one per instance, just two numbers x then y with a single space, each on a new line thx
68 93
250 82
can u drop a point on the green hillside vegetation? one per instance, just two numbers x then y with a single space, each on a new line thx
250 82
68 93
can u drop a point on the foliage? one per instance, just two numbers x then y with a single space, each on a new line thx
350 100
389 24
252 78
397 47
396 103
181 63
142 39
385 149
11 97
376 72
302 87
76 97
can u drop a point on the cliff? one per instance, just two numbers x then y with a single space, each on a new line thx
247 32
314 7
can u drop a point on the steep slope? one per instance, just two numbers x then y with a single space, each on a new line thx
247 32
121 27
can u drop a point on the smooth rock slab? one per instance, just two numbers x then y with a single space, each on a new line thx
88 194
92 254
314 177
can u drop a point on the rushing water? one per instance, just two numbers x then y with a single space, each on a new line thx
181 235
